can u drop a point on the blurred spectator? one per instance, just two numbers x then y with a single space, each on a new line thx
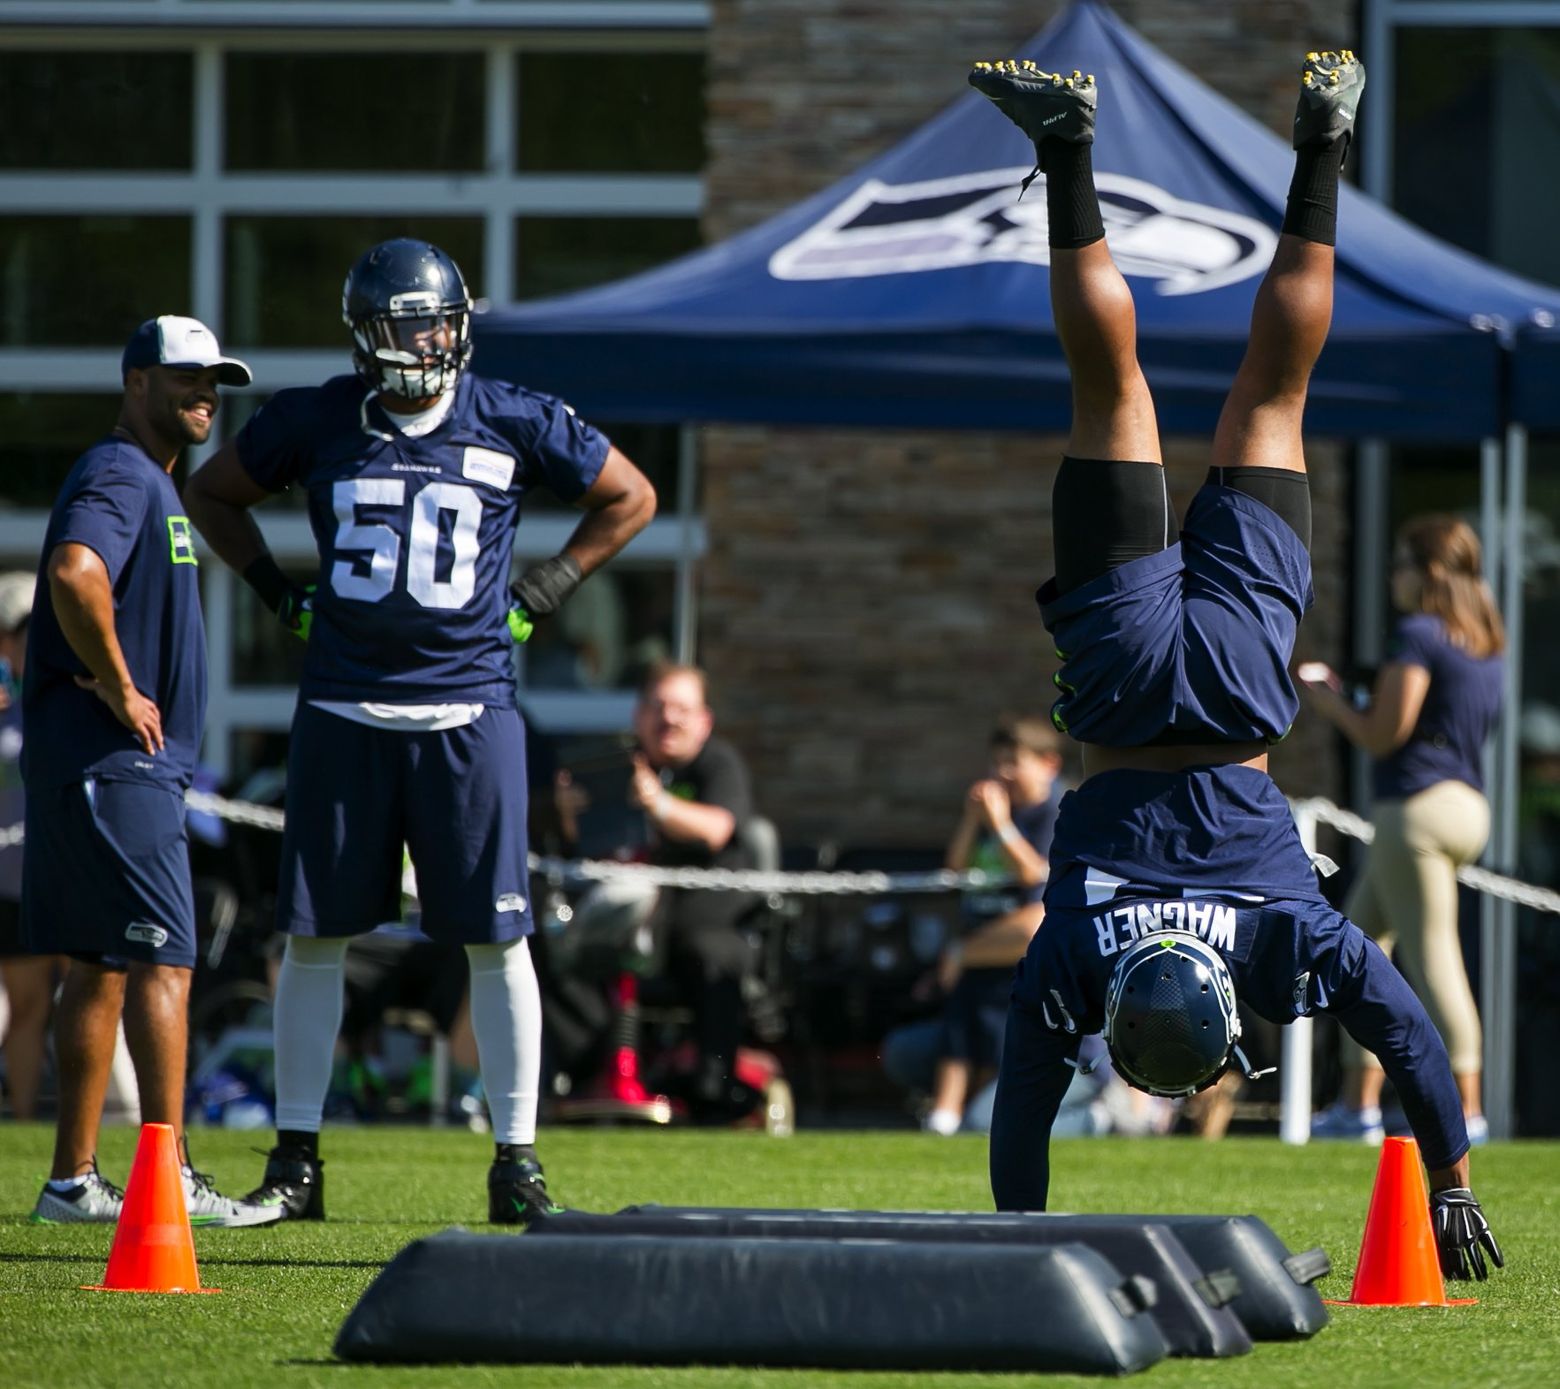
1429 714
1005 831
693 791
29 979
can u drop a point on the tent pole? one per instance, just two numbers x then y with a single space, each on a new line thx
1294 1066
1372 562
1498 1001
685 623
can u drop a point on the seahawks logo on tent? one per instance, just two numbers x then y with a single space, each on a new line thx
945 223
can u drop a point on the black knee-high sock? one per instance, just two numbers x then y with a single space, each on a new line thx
1312 211
1072 207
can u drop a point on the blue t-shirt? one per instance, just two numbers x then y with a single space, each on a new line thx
1460 708
416 534
121 504
1036 823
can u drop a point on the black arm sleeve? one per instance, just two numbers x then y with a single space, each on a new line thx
1037 1067
724 780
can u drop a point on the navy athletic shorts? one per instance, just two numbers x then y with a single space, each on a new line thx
1192 643
456 799
106 873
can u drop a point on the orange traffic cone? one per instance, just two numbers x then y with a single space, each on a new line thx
153 1251
1398 1265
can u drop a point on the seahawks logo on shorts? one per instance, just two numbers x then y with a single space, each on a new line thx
510 902
945 223
146 933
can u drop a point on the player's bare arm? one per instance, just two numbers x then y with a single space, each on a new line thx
620 504
218 496
84 603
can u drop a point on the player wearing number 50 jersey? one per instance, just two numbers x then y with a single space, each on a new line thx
415 471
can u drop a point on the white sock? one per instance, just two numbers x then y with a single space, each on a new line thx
506 1016
307 1019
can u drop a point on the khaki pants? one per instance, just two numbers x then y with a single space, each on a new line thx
1407 900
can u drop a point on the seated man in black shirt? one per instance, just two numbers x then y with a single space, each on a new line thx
694 793
693 788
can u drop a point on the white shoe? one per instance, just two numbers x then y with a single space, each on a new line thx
210 1208
93 1200
944 1122
1478 1130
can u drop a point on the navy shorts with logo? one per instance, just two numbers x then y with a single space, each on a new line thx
456 799
106 873
1192 643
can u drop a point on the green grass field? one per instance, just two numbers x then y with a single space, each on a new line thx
288 1288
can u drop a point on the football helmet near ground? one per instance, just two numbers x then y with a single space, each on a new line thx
1170 1018
410 314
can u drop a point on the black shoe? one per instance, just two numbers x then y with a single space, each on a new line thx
517 1193
1330 87
1044 105
295 1180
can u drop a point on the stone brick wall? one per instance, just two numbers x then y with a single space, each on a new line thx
866 606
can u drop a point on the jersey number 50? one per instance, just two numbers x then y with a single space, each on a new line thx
381 541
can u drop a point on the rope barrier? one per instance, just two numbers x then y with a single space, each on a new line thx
575 872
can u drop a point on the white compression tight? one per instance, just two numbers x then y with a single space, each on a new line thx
307 1019
506 1016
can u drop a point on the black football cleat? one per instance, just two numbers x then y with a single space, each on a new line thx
1044 105
294 1180
1330 87
517 1192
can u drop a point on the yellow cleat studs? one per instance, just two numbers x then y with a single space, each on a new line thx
1313 57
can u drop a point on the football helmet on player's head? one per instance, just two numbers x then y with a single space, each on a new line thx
410 314
1170 1018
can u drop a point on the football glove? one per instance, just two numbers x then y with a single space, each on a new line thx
296 610
1462 1234
520 624
541 591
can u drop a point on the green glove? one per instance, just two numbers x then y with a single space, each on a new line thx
296 612
520 624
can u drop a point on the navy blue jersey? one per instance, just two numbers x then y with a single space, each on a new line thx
119 503
415 534
1288 959
1460 708
1205 830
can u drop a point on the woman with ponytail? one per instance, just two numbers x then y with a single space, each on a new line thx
1431 710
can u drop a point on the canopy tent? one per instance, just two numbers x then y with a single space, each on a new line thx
914 293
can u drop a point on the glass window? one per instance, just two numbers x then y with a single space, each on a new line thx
1492 116
66 281
554 255
364 112
606 636
265 652
44 434
284 274
646 112
96 110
